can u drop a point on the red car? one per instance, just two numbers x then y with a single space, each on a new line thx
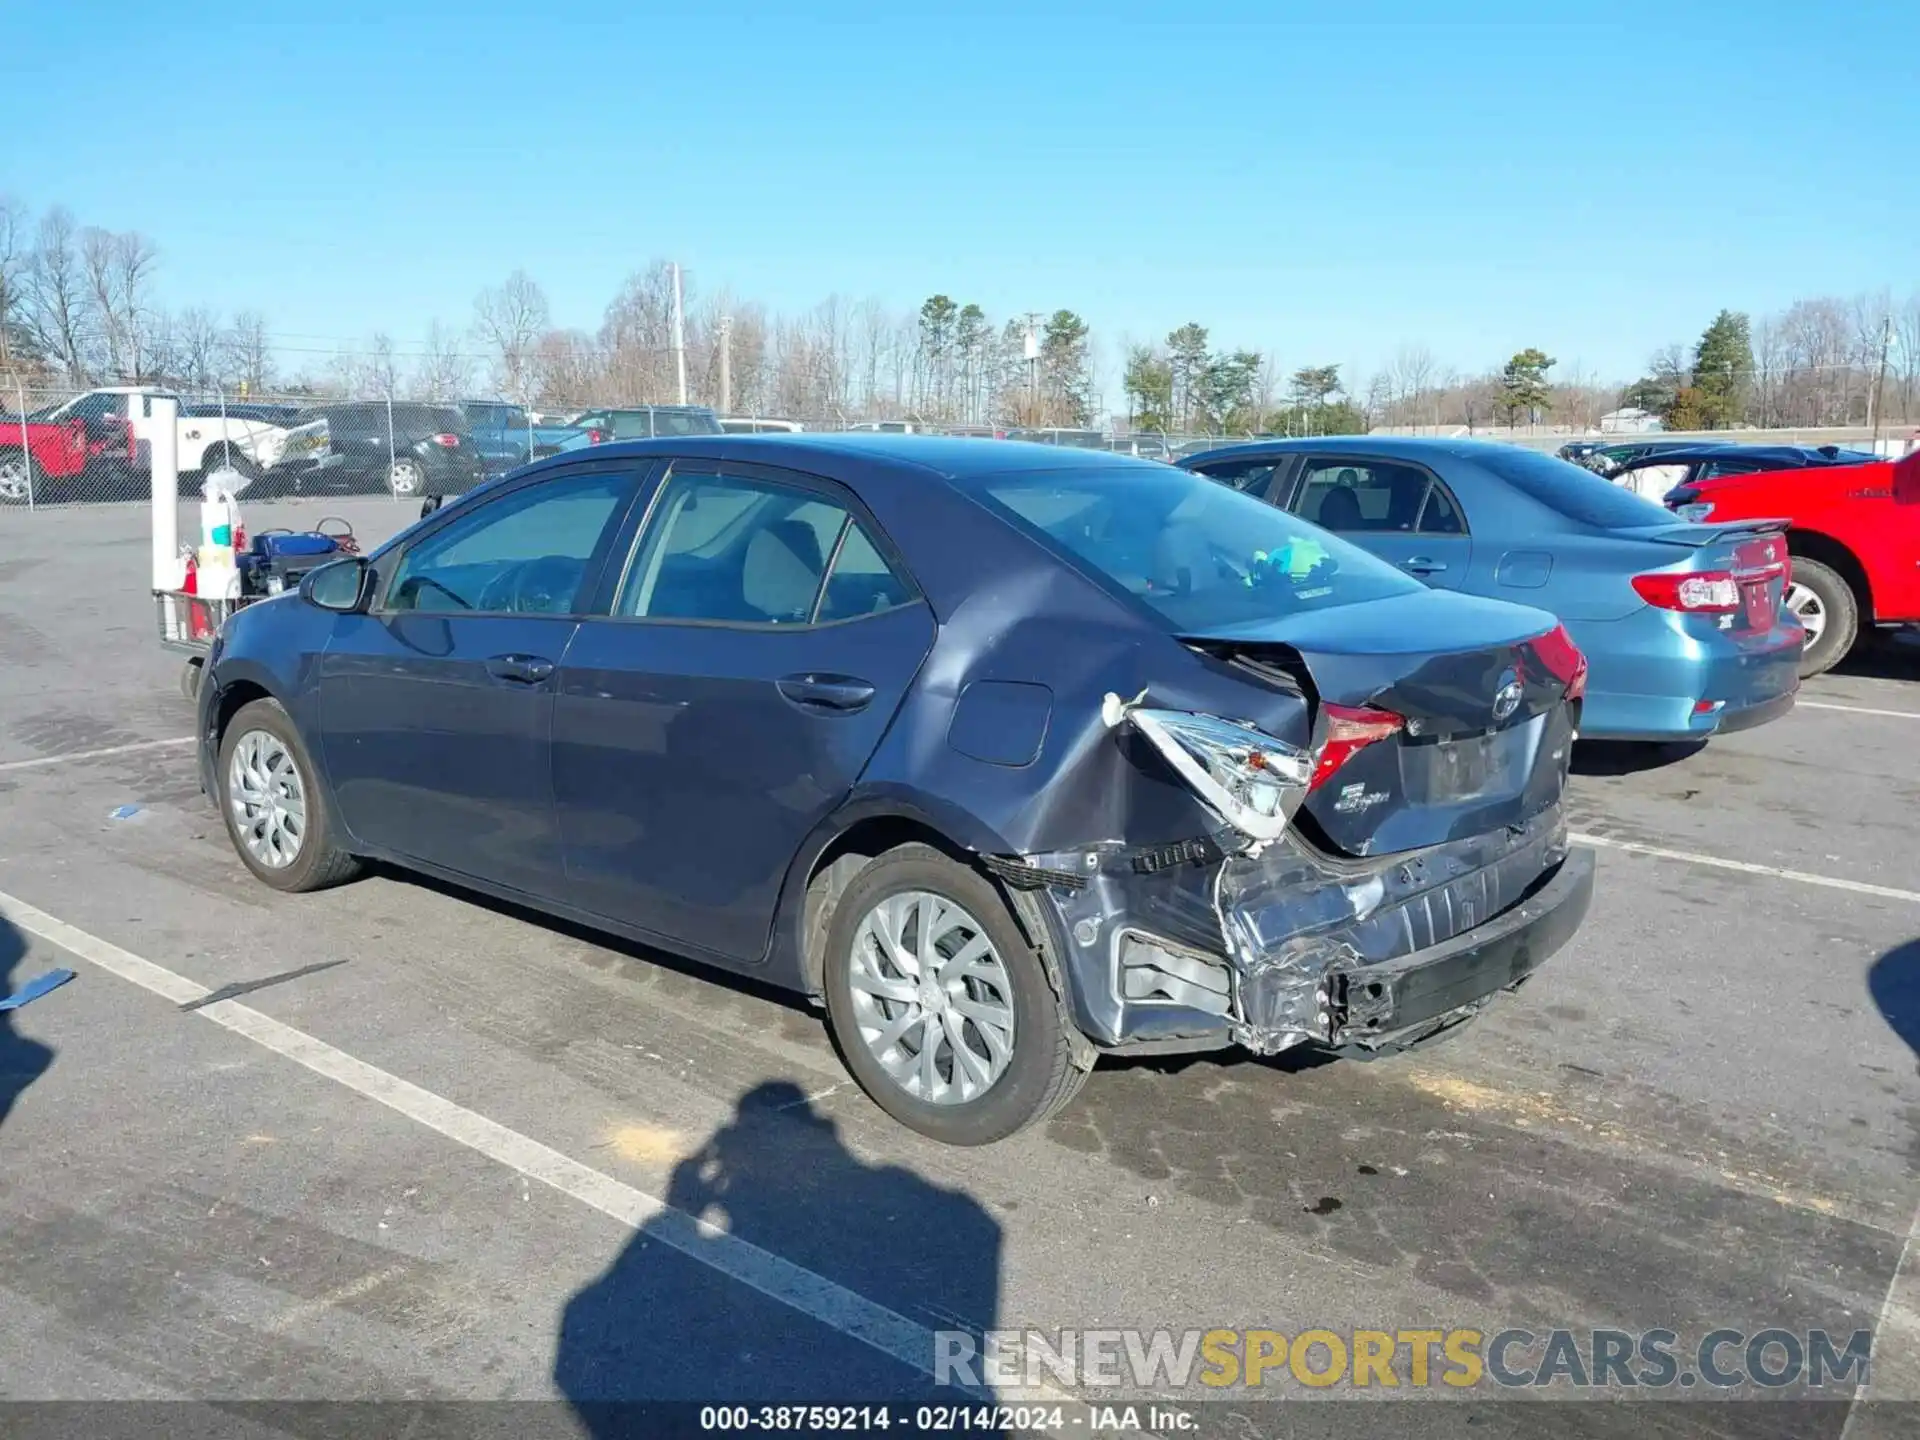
48 460
1855 543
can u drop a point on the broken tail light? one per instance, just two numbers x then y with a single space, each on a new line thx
1564 660
1253 780
1350 729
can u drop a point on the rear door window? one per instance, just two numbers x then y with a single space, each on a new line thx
1252 476
1360 497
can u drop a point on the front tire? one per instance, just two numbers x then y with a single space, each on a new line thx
275 813
940 1007
16 487
1825 604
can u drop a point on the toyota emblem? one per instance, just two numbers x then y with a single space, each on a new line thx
1506 699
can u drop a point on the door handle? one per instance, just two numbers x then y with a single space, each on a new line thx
520 669
841 694
1423 565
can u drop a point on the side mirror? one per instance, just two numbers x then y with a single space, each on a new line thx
342 586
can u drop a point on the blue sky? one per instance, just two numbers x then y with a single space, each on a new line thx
1597 185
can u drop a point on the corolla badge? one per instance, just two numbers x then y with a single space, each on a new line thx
1506 699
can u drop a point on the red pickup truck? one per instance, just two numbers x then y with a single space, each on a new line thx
1854 539
60 452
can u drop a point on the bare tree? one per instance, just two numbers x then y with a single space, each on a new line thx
201 348
445 371
510 319
13 264
118 269
1906 329
249 358
56 295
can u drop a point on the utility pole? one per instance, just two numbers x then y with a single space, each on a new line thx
1880 379
679 339
1033 367
726 364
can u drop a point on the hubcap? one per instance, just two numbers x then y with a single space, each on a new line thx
268 801
13 481
406 479
1811 613
931 998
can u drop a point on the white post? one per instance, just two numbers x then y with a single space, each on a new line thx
164 450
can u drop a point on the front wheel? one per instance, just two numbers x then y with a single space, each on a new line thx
276 816
1823 602
940 1007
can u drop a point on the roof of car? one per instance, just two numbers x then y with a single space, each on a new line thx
1410 447
953 457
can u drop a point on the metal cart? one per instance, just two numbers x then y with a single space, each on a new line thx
188 624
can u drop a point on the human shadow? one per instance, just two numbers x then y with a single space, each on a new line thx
1894 983
22 1061
688 1315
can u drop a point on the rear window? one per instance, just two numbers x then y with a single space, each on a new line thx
1572 490
1200 555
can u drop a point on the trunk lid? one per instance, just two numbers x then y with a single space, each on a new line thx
1480 686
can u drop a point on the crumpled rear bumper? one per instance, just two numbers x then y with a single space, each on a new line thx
1391 1003
1204 944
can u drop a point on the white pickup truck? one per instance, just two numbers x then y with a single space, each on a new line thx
207 438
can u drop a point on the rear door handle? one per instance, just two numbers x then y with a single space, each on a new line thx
1423 565
520 669
840 694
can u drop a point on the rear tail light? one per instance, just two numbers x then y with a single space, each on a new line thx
1253 780
1350 729
1563 660
1704 592
445 442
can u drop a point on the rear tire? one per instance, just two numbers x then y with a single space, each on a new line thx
406 479
264 731
1038 1075
1825 604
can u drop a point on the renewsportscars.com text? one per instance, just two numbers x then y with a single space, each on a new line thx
1252 1359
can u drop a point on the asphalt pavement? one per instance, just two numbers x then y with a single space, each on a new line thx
396 1143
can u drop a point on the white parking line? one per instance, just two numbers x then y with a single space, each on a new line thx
1747 867
1856 709
45 760
793 1285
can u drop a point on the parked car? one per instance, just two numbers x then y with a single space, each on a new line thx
507 436
371 447
1853 531
204 438
1010 757
887 427
759 425
641 422
1077 439
1653 473
1684 624
59 454
1146 447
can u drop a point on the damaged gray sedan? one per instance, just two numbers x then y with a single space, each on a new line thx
1009 756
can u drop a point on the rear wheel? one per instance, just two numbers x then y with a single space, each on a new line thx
941 1009
276 816
1824 603
406 479
16 486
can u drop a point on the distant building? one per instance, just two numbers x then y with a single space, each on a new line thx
1629 422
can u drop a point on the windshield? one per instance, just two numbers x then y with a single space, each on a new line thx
1572 490
1200 555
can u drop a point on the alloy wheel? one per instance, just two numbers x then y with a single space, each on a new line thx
267 798
932 998
405 478
1810 610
